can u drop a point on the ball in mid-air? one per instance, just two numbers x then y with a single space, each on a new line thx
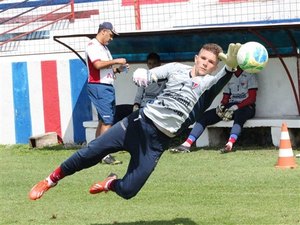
252 57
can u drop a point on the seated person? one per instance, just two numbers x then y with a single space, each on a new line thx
144 94
237 104
147 94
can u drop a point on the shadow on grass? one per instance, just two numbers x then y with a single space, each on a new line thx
177 221
59 147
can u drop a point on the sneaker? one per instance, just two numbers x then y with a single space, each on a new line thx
298 156
180 149
103 185
227 148
39 189
109 159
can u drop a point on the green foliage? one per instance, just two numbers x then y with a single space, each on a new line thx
202 187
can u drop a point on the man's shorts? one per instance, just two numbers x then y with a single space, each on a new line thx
103 98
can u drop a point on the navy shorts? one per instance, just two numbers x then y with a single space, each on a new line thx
103 98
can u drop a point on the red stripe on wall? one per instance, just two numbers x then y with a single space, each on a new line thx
141 2
50 97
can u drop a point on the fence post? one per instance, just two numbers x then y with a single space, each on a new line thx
72 18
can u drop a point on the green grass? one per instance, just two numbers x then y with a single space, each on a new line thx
202 187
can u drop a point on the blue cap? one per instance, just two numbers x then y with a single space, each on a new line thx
108 26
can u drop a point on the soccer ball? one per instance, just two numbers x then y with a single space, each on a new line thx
252 57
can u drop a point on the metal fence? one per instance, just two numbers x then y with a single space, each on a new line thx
28 27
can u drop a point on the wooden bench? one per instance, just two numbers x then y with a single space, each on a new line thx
207 137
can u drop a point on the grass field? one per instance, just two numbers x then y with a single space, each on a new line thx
202 187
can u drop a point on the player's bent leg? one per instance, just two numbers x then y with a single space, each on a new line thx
139 170
84 158
38 190
129 187
103 186
110 142
144 157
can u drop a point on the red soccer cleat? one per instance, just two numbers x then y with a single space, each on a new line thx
39 189
103 185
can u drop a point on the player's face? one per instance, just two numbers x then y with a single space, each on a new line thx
107 36
205 62
151 63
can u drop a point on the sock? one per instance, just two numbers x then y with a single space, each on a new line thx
111 185
50 182
56 175
189 141
232 138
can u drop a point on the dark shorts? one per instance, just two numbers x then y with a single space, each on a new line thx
136 134
103 98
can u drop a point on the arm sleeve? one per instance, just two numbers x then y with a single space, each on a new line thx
139 95
225 99
95 53
250 100
164 71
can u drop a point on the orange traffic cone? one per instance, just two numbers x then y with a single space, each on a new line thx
286 158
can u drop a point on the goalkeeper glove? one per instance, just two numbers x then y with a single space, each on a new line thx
229 112
143 77
230 59
220 110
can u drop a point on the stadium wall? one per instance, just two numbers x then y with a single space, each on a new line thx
48 94
43 85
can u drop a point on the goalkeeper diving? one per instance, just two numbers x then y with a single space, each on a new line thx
147 132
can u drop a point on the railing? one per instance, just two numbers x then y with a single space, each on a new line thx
70 16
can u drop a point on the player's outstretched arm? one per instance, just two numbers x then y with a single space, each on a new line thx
143 77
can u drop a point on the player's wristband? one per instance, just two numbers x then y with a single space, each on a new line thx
230 69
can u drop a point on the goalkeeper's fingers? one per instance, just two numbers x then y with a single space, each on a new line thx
231 49
236 48
222 57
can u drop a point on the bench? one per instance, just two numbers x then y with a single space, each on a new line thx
208 136
90 130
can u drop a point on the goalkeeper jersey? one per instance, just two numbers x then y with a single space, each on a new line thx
238 87
185 98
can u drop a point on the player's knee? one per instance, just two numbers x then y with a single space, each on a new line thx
126 191
128 194
127 197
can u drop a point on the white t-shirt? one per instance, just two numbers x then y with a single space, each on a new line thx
96 51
